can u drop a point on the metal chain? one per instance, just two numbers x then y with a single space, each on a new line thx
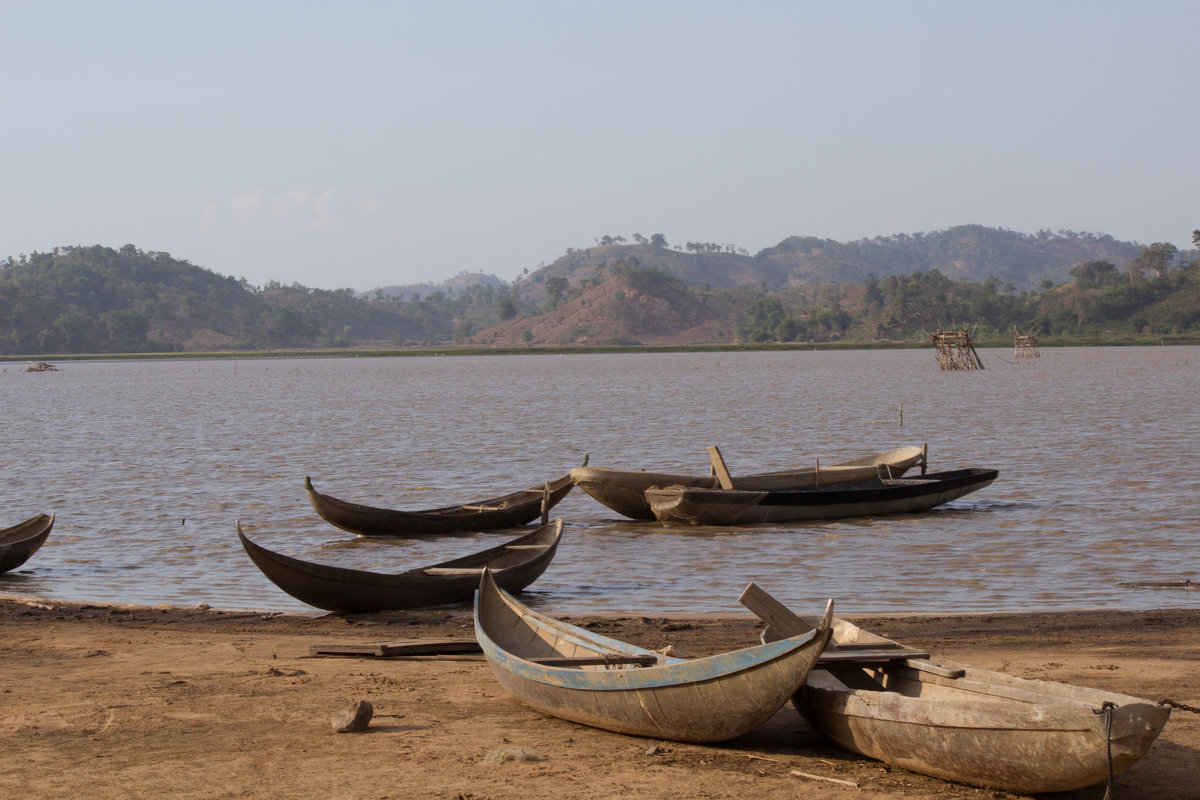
1180 706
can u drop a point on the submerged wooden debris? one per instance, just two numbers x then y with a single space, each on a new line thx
40 366
1188 585
954 349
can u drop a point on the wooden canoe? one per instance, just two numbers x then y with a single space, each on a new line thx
584 677
963 723
22 540
694 505
507 511
515 565
624 491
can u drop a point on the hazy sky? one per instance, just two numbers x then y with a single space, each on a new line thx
364 144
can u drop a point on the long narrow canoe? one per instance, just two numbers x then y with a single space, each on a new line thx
515 565
507 511
693 505
624 490
22 540
963 723
584 677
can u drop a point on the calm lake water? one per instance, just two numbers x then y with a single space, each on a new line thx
149 464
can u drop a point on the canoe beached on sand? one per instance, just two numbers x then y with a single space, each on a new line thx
22 540
507 511
693 505
581 676
963 723
515 565
624 490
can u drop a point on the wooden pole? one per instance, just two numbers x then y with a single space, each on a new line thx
718 465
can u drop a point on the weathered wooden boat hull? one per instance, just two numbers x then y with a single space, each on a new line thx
966 724
705 700
624 490
1027 747
515 564
507 511
699 506
22 540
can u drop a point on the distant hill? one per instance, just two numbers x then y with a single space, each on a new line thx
967 252
103 300
100 300
453 287
617 299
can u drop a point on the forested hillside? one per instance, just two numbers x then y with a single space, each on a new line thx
100 300
966 252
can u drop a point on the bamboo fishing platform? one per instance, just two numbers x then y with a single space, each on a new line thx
955 350
1025 345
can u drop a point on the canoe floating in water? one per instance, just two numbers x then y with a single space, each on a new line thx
507 511
581 676
22 540
963 723
624 490
515 565
692 505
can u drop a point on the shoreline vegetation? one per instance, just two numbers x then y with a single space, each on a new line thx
804 293
1113 340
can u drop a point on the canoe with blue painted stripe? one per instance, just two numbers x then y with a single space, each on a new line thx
581 676
22 540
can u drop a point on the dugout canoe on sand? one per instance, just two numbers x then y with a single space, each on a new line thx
963 723
694 505
506 511
515 565
22 540
624 490
581 676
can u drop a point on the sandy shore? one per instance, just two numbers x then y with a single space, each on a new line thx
134 702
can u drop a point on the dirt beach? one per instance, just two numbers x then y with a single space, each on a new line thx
105 702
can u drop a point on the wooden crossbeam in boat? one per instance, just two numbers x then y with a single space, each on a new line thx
597 661
526 546
857 658
483 508
868 646
453 570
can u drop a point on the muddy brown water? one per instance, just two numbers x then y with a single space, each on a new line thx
149 463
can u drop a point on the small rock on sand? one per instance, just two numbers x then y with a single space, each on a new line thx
355 719
502 755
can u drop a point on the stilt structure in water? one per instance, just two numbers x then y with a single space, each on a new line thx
954 349
1025 345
